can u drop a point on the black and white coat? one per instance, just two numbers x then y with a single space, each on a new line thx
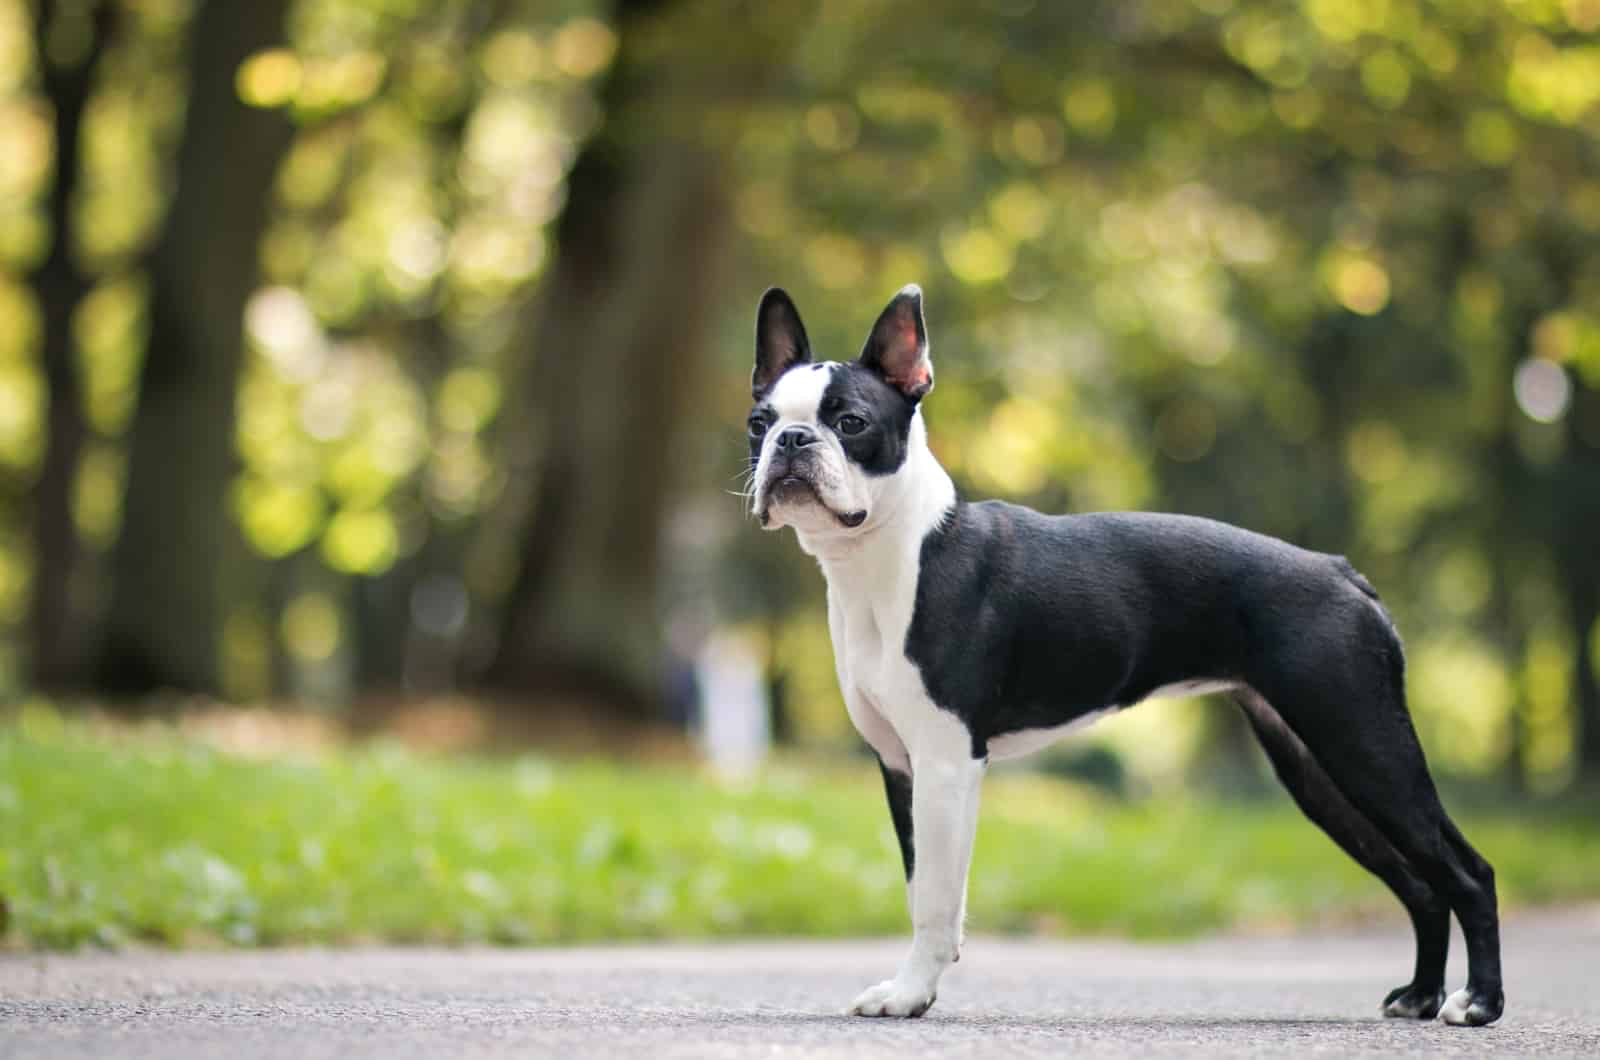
969 632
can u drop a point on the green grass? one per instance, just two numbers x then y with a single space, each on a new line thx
114 838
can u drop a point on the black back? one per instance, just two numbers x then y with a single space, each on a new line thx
1027 621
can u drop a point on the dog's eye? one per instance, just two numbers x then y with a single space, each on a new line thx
851 424
758 427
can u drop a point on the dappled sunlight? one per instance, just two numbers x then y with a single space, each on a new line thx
21 389
1543 390
1323 270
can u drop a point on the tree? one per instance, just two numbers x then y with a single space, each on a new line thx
617 349
168 567
71 40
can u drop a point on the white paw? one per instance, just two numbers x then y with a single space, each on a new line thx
1455 1008
1460 1010
893 998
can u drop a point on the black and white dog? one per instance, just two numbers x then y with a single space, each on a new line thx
964 632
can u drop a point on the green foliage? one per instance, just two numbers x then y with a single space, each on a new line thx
1315 268
1326 269
116 837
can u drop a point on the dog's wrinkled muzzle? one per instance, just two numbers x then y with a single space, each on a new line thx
787 484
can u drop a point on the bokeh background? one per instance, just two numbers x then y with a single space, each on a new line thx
373 374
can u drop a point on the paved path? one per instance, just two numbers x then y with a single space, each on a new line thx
1220 997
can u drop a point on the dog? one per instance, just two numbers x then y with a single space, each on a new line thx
965 632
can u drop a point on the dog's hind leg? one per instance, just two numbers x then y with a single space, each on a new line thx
1347 707
1322 802
1483 999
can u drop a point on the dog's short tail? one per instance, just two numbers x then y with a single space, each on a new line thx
1357 579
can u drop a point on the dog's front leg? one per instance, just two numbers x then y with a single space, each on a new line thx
944 814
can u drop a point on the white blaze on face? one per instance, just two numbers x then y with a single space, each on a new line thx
798 394
797 398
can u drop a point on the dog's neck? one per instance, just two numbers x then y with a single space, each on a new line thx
915 499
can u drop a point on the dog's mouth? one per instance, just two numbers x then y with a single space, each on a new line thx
793 489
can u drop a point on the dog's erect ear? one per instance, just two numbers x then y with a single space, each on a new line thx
780 340
897 349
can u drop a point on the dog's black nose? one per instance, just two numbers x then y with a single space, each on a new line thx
794 438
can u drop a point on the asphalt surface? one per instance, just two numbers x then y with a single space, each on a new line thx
1233 997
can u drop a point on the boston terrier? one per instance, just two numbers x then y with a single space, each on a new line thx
969 631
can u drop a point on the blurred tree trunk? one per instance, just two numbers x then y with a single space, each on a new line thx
1563 502
70 44
1579 490
618 352
1585 603
164 614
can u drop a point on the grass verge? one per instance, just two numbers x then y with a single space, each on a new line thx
110 838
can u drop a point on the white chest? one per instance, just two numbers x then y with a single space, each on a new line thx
883 690
872 589
870 648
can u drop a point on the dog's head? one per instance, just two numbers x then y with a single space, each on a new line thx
827 439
